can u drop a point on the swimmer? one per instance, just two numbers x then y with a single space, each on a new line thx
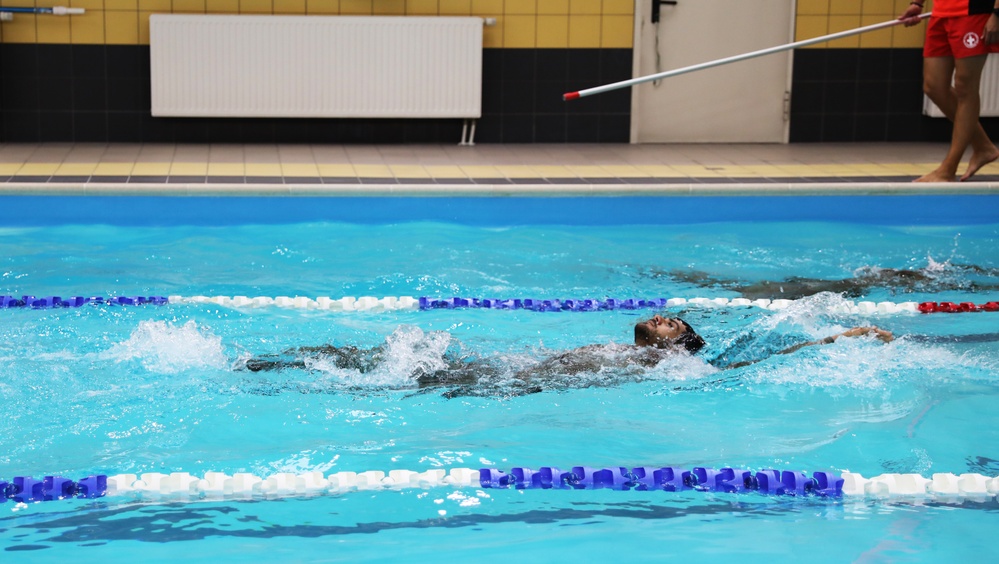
655 340
895 280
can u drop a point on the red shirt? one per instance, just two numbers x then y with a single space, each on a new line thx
955 8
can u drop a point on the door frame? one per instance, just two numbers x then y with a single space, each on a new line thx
642 10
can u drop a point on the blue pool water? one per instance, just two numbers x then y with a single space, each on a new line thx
112 390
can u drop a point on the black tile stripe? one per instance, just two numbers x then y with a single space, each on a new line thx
100 93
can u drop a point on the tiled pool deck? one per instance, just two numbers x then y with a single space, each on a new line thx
482 169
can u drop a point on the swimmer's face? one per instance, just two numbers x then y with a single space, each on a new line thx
658 331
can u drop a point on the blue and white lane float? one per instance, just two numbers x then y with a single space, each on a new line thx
182 486
409 303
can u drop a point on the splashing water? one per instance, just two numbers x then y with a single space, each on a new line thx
859 362
165 348
407 351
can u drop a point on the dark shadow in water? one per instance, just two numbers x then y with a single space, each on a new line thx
185 522
949 277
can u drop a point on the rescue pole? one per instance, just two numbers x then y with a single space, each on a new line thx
733 59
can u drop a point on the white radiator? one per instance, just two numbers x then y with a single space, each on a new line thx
989 91
316 66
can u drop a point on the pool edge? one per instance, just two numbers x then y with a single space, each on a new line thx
499 190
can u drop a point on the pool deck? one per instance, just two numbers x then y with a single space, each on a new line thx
488 170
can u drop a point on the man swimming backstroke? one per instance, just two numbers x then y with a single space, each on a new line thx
656 340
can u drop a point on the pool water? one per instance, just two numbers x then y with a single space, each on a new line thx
102 389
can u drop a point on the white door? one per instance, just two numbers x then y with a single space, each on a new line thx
744 102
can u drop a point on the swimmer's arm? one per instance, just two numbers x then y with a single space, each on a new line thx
881 334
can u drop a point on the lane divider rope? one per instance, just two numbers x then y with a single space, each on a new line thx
217 485
408 303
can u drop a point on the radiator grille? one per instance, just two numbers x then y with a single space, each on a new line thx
316 66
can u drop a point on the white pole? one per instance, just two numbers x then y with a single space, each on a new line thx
736 58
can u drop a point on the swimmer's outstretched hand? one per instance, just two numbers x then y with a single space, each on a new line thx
881 334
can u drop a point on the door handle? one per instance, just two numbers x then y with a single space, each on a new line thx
656 4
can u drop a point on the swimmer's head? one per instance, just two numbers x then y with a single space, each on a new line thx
662 332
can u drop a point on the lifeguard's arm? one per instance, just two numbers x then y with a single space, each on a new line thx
909 16
881 334
991 33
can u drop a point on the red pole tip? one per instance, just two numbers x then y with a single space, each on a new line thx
570 96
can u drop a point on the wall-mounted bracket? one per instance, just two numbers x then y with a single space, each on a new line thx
656 4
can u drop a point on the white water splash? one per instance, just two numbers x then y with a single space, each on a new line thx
165 348
302 462
408 350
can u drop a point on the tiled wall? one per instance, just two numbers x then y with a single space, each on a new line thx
85 78
822 17
549 24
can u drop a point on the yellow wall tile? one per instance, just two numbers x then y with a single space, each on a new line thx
256 7
522 7
553 32
21 30
843 23
813 7
881 7
845 7
619 7
52 29
121 5
222 6
519 31
584 6
144 27
322 6
492 35
456 7
880 39
87 28
809 27
584 31
487 7
154 6
553 7
616 32
421 7
121 28
355 7
18 3
85 4
388 7
903 37
189 6
292 7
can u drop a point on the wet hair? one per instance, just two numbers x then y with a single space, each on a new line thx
689 339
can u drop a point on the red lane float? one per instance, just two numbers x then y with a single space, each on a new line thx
951 307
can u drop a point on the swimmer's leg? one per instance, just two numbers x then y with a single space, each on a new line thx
262 364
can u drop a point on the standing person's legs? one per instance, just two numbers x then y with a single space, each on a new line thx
967 89
961 103
953 58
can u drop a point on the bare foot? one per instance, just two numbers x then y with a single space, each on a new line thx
978 160
937 176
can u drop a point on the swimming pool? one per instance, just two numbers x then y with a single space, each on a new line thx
120 389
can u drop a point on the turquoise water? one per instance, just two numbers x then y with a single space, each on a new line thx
158 389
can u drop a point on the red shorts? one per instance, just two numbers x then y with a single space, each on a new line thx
957 37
